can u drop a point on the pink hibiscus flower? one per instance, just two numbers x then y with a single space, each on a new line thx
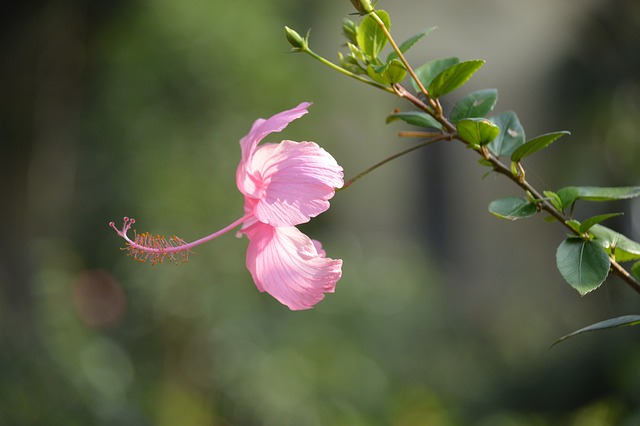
284 185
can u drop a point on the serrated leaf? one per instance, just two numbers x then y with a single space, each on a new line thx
407 44
475 105
511 135
427 72
477 131
371 39
588 223
570 194
535 145
512 208
584 264
614 242
415 118
623 321
453 77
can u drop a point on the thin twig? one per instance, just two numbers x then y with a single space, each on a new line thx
404 60
393 157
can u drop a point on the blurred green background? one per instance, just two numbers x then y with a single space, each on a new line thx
444 315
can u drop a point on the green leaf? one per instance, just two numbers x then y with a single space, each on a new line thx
477 131
570 194
635 271
512 208
415 118
535 145
475 105
574 224
624 248
395 71
350 63
485 163
388 74
553 199
511 134
453 77
371 39
588 223
428 71
375 73
584 264
407 44
624 321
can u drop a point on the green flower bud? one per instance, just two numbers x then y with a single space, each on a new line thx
350 30
362 6
295 39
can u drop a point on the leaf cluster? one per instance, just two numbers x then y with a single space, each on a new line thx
584 259
366 41
591 250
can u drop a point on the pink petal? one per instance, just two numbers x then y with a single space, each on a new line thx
296 181
286 263
259 130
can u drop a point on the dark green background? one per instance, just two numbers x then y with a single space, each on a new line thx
444 315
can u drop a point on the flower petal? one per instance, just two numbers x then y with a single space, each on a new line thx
287 264
296 181
261 128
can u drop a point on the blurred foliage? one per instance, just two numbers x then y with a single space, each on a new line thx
599 92
136 108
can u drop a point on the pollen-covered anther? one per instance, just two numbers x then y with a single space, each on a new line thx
158 248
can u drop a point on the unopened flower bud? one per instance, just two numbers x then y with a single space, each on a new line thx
350 30
295 39
362 6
